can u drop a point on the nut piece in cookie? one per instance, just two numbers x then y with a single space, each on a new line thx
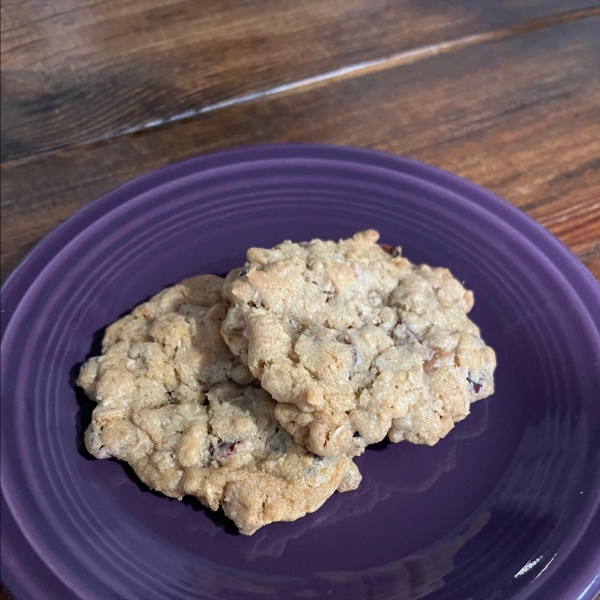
354 341
189 417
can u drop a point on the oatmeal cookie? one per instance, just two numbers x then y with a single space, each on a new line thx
354 341
189 417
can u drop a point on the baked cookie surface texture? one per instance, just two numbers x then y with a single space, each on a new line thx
354 342
190 418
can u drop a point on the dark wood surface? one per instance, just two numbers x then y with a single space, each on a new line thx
504 93
78 71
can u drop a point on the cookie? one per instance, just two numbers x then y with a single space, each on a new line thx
354 341
189 417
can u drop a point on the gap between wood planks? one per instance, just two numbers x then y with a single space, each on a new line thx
348 72
583 256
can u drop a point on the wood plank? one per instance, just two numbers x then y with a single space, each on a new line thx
518 115
591 260
74 71
577 223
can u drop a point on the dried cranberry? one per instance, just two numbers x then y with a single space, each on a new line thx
475 385
391 250
227 448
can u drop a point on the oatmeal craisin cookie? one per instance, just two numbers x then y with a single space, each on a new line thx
189 417
354 341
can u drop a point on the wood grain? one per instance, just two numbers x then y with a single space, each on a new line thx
518 115
73 71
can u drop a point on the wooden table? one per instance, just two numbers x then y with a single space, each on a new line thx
504 93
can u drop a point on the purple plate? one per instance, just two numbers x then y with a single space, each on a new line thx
506 506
